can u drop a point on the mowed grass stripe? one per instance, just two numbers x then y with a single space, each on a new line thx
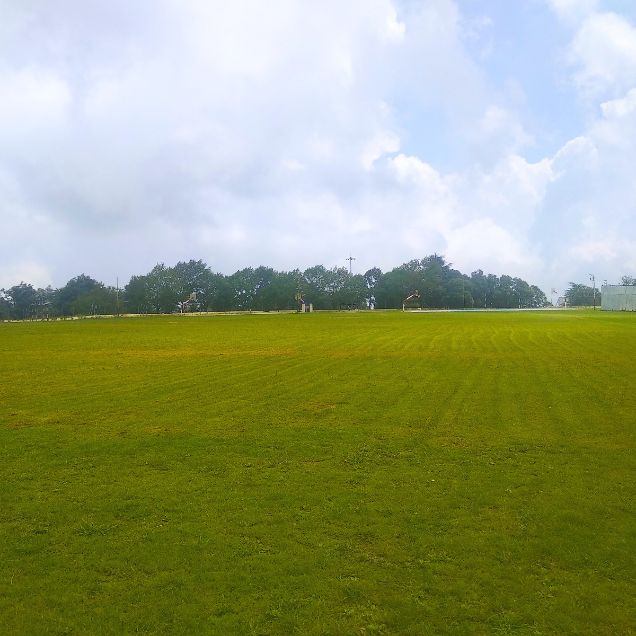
339 473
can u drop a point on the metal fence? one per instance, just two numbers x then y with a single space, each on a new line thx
618 297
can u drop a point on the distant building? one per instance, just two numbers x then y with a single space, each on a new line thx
618 297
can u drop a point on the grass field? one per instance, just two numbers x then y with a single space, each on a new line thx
377 473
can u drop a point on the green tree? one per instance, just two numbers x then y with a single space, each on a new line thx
458 295
100 300
539 299
264 289
243 285
504 293
578 295
479 288
315 285
435 274
5 305
164 289
136 295
284 289
274 290
191 277
394 287
372 278
76 287
22 300
219 294
45 302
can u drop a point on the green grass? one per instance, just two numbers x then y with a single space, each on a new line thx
378 473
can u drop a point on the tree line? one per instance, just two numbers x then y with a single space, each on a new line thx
193 286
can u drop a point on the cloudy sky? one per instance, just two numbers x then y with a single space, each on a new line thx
292 132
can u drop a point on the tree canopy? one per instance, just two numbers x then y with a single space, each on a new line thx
578 295
193 285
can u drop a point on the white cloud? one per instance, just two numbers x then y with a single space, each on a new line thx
30 272
217 120
592 199
592 251
412 170
512 191
479 218
576 150
573 11
603 54
497 132
282 133
620 108
492 247
383 143
32 102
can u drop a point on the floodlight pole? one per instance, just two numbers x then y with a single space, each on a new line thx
593 279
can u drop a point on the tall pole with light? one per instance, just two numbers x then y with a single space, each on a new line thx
593 279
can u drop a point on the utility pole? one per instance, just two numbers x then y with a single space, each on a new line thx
593 290
350 259
117 296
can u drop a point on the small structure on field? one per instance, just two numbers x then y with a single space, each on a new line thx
412 300
303 305
186 305
618 298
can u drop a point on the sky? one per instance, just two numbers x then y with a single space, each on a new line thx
291 133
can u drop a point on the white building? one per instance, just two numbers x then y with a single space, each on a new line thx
618 297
